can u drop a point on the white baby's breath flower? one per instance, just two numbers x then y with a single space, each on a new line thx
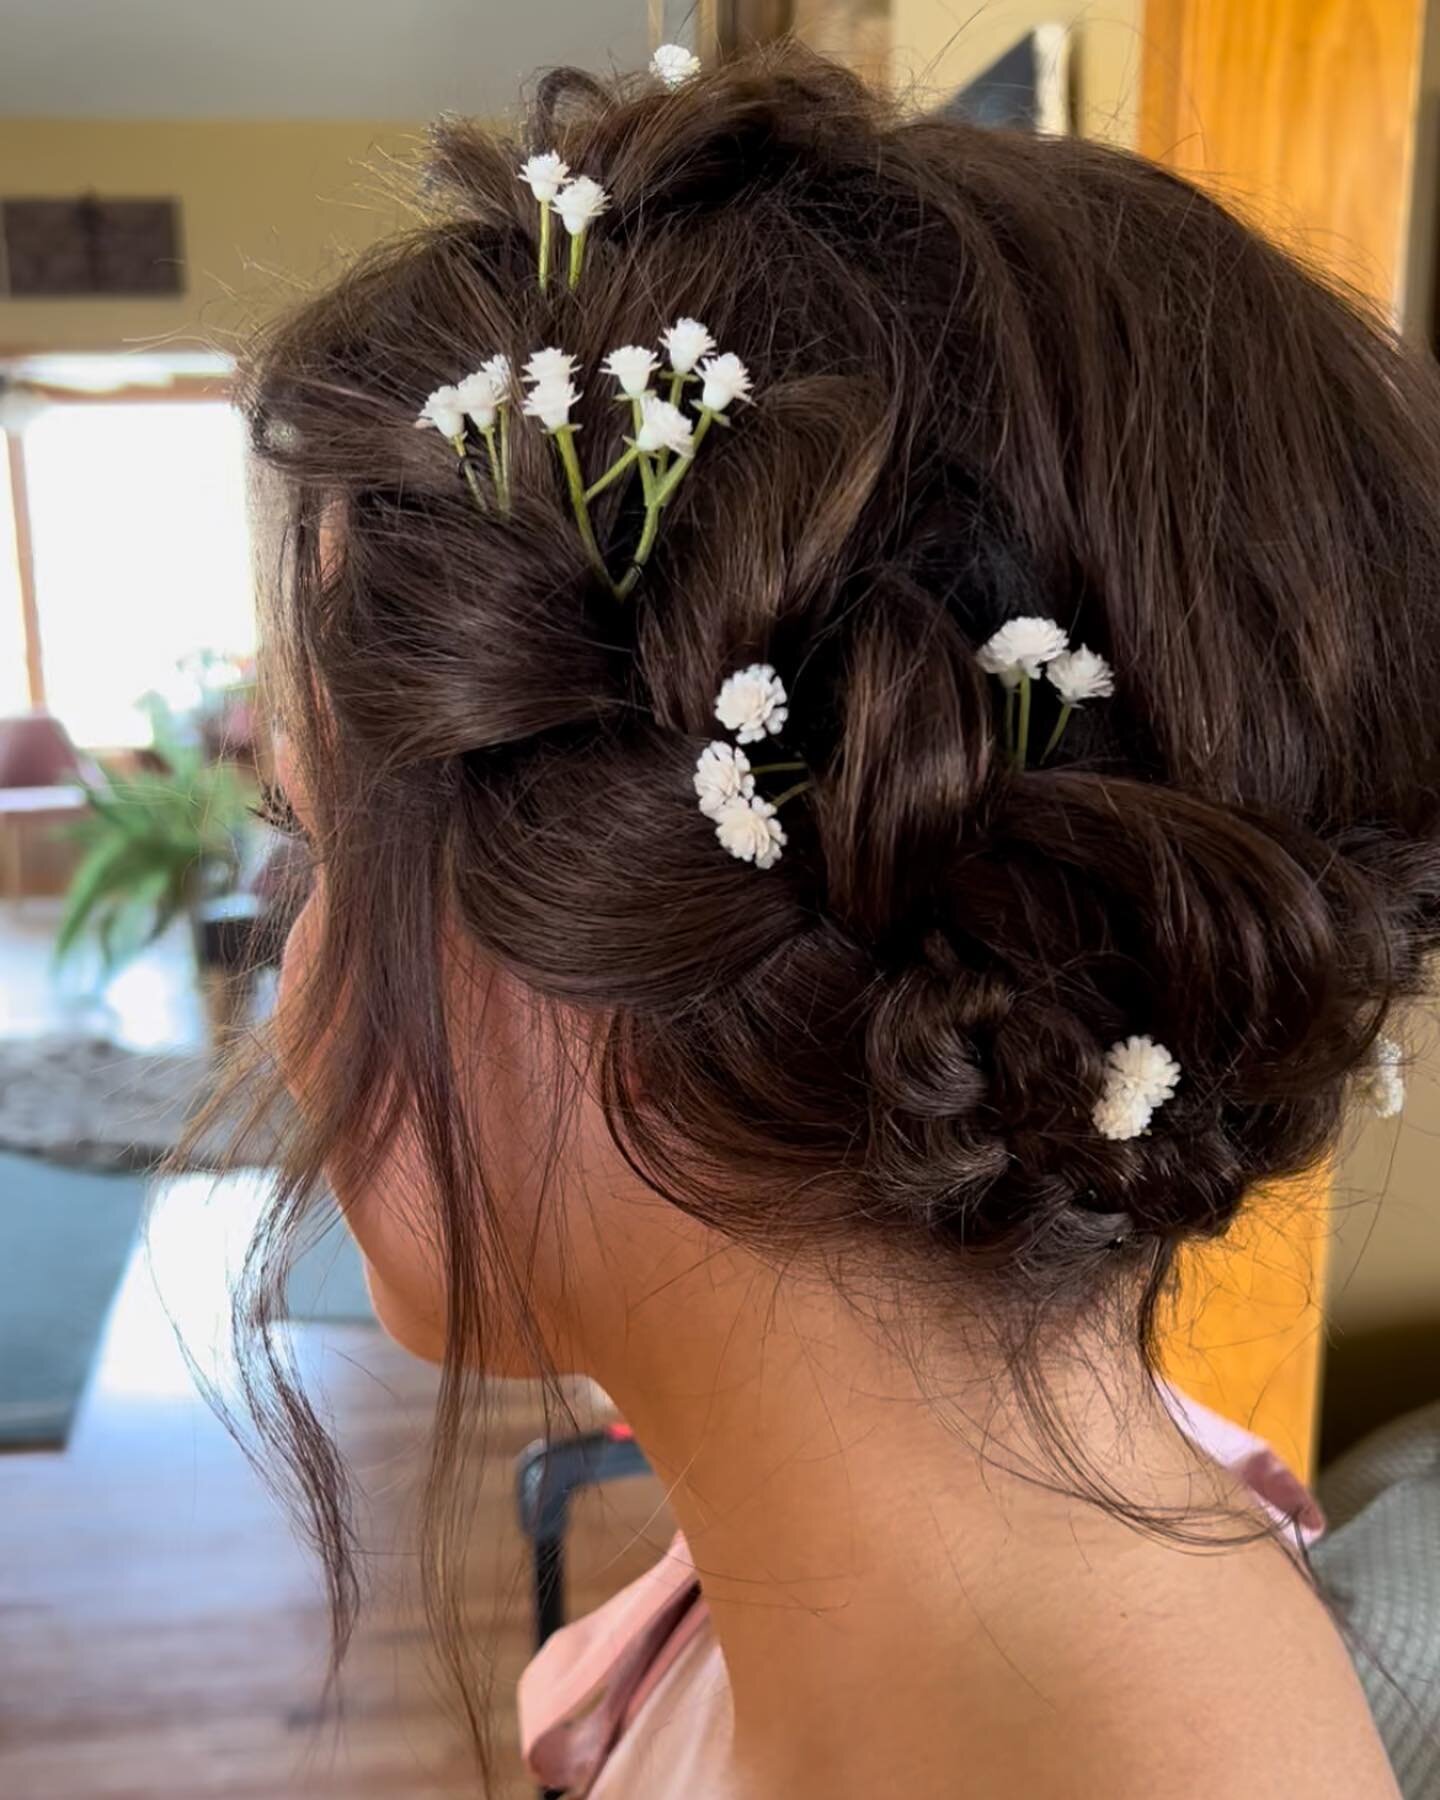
749 829
1382 1085
1140 1075
545 365
498 368
1021 647
664 427
686 341
550 401
752 702
544 174
445 410
673 63
579 202
726 379
1081 675
632 365
480 398
722 776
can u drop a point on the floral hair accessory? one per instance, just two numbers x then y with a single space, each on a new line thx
542 365
664 427
1081 674
445 410
722 776
726 379
579 203
483 399
1077 676
632 366
578 199
1020 649
749 830
545 175
550 401
1016 655
753 704
1140 1076
1382 1084
685 343
674 64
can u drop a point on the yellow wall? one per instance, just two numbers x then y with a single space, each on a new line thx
265 206
939 44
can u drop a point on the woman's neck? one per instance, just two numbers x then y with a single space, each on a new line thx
849 1514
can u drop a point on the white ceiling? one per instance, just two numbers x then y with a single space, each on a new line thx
299 59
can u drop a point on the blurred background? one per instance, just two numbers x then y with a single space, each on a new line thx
171 173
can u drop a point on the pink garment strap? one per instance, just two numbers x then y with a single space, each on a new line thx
582 1689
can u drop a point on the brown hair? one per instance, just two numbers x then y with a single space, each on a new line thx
996 375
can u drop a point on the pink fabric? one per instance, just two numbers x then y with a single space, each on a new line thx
591 1680
632 1703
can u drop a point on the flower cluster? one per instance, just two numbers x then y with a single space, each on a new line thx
482 400
674 64
1140 1075
578 199
1017 654
663 429
752 704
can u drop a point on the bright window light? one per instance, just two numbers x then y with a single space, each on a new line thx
14 688
141 555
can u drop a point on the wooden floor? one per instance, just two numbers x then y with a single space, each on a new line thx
162 1636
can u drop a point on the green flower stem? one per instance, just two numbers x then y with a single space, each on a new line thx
577 257
564 436
472 481
791 793
642 551
1023 740
496 472
1059 731
614 472
659 498
647 466
545 234
677 387
774 768
505 454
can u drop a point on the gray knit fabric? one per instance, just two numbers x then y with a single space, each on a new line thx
1379 1566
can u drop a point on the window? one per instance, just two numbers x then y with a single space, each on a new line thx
137 515
14 684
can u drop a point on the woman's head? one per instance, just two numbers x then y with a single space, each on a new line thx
995 376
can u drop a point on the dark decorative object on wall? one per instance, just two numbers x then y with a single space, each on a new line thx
65 249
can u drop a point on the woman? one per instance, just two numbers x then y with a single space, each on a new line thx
818 906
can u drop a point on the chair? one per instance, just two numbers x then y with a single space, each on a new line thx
547 1476
41 782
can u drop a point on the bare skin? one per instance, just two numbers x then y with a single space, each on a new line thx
898 1614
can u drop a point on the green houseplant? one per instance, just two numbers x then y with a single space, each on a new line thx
158 842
